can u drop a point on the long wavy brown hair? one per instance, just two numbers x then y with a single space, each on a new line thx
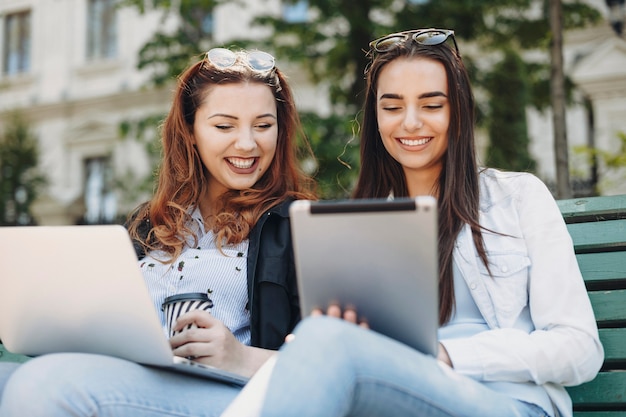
458 186
183 178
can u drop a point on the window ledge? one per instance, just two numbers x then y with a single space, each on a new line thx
22 79
99 67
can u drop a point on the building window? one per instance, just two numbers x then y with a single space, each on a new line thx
100 201
296 12
17 39
101 29
208 24
201 22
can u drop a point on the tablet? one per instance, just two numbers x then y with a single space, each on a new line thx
378 256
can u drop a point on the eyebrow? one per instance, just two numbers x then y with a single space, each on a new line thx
424 95
229 116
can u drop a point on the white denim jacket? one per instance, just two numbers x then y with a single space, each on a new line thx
542 326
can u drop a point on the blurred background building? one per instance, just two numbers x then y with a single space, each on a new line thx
595 61
70 67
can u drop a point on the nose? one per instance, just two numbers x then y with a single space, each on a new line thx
412 120
245 141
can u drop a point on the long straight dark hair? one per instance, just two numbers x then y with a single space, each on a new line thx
458 186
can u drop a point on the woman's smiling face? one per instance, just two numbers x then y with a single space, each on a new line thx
236 134
413 115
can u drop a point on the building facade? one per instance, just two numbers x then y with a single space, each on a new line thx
71 67
595 60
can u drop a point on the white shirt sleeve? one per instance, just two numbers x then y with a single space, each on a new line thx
564 348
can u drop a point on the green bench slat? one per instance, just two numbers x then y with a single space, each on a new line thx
603 266
606 391
577 209
6 356
614 343
598 236
609 306
599 413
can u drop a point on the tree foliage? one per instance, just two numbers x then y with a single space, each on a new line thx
508 133
174 46
610 162
332 42
20 180
330 45
335 144
145 130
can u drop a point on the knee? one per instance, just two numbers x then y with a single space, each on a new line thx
42 385
6 370
32 379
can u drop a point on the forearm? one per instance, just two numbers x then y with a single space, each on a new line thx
565 356
252 359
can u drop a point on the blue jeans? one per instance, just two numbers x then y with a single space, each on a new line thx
74 384
334 368
6 370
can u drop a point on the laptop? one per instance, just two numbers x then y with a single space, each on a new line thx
80 289
378 256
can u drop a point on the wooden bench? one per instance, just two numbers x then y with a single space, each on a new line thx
598 228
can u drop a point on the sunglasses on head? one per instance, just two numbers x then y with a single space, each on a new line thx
429 37
225 58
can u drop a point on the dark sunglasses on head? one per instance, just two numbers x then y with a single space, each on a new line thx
225 58
420 36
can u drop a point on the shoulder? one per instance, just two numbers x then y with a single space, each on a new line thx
282 208
491 177
497 186
275 217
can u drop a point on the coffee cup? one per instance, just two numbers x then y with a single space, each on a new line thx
178 304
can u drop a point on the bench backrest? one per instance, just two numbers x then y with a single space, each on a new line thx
598 228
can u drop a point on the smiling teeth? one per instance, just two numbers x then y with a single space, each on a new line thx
415 142
241 163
